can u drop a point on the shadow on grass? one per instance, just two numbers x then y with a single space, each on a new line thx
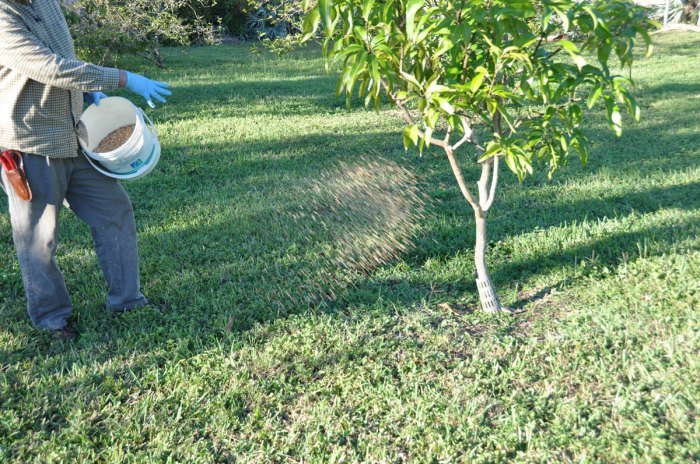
197 286
608 252
196 292
283 97
193 318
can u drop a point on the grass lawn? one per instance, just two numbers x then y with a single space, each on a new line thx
603 263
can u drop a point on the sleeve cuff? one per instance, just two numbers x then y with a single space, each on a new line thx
110 79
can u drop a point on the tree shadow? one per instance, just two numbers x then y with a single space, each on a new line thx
200 302
208 287
281 97
244 263
193 312
608 252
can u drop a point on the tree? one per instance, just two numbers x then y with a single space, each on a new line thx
679 11
500 76
107 29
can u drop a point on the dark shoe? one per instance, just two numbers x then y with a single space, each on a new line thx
66 333
119 310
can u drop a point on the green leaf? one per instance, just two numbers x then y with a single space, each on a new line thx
563 143
574 52
412 8
445 105
569 46
593 16
593 97
462 33
604 52
580 143
374 72
583 149
491 106
311 22
325 8
411 79
414 134
357 69
367 8
446 45
432 118
564 19
513 164
428 135
616 120
492 148
477 81
647 40
631 103
575 115
363 87
407 138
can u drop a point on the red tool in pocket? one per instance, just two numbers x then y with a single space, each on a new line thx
14 171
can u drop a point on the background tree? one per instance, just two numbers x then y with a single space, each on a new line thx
104 30
488 74
229 16
678 11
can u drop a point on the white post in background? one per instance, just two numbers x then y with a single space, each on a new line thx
668 4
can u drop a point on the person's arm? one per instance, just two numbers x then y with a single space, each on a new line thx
23 52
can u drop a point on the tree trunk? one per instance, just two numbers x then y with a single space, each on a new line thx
487 291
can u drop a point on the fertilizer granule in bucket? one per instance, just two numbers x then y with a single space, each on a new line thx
115 139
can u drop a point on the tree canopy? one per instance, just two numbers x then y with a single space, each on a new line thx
511 78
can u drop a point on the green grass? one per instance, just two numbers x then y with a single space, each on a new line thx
603 262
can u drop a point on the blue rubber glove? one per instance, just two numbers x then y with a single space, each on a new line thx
147 88
93 97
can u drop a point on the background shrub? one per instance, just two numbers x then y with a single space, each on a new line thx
229 16
679 11
104 30
273 19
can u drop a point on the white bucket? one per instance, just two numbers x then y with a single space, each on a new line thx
137 156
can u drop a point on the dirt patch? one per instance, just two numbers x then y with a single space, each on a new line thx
115 139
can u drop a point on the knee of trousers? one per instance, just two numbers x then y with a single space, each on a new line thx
121 208
118 215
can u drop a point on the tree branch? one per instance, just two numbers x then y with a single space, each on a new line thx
445 144
469 136
460 179
448 136
543 36
409 118
483 182
494 181
486 194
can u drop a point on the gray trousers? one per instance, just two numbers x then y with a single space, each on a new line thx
96 199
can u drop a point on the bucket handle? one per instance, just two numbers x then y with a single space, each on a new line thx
148 120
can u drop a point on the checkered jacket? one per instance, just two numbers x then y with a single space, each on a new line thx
41 81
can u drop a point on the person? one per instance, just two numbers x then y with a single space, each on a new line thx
43 87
